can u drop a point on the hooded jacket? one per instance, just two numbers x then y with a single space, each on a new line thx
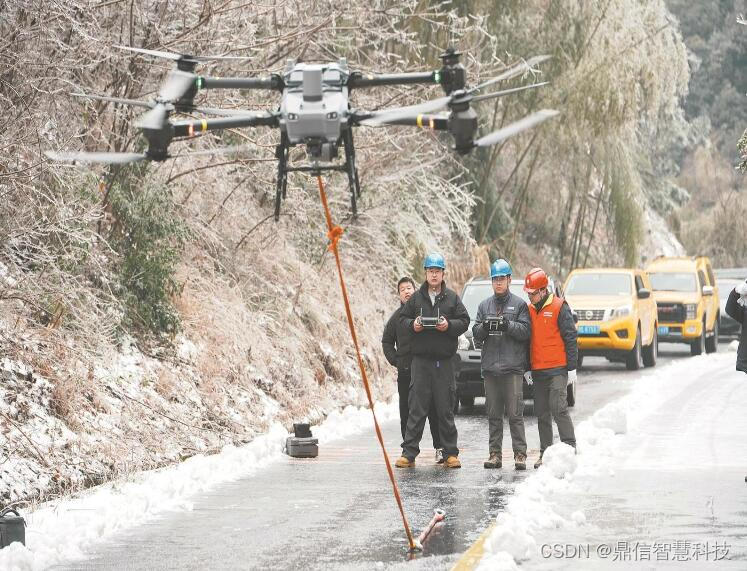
738 314
396 342
430 343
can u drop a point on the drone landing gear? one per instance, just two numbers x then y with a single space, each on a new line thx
350 168
281 153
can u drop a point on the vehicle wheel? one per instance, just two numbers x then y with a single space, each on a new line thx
651 352
711 343
634 360
571 390
698 346
580 361
467 401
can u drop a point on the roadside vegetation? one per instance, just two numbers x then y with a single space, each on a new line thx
162 302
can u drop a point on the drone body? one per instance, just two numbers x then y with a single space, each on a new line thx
314 108
314 111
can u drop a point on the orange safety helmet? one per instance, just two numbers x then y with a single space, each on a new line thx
536 279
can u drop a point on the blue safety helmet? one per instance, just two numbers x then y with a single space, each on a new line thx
434 260
500 268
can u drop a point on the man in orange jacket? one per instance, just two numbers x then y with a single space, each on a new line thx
553 355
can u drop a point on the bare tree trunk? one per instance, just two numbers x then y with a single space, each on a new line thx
503 189
594 224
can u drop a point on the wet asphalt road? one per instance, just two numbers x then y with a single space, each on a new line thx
337 511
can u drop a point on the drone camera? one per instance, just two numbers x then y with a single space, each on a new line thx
321 151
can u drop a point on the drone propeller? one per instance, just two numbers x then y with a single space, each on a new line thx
176 86
84 157
507 91
512 72
397 114
123 101
517 127
154 119
125 158
181 57
151 104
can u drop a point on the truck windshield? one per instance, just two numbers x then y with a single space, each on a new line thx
670 281
472 296
599 284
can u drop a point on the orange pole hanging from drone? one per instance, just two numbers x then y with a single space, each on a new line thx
334 233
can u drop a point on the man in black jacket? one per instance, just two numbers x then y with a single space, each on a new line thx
736 308
396 342
437 317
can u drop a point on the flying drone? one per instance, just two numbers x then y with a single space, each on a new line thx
315 110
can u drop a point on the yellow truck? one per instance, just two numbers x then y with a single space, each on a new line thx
616 315
687 298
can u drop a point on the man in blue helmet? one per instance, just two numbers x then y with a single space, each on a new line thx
437 317
504 327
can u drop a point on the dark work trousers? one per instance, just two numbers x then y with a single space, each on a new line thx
505 392
433 384
403 387
550 400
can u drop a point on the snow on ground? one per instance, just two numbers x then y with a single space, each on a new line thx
63 530
634 472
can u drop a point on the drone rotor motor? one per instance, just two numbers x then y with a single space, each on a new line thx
452 75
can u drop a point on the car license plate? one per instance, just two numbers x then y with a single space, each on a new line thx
588 329
663 330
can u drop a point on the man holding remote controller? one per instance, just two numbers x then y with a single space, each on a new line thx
437 317
502 325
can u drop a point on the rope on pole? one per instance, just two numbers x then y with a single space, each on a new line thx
334 233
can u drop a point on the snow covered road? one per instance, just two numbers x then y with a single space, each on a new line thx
659 481
661 467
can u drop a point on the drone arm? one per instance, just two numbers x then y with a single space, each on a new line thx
432 122
189 128
357 79
425 121
274 82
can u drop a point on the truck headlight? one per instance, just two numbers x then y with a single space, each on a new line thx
691 310
463 343
623 311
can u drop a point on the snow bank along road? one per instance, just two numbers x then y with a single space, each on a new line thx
660 482
254 508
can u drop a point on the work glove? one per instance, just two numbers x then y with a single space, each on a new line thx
502 323
741 289
572 376
528 378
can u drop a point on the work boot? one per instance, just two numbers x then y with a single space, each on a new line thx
452 462
439 455
404 462
494 461
520 461
538 463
